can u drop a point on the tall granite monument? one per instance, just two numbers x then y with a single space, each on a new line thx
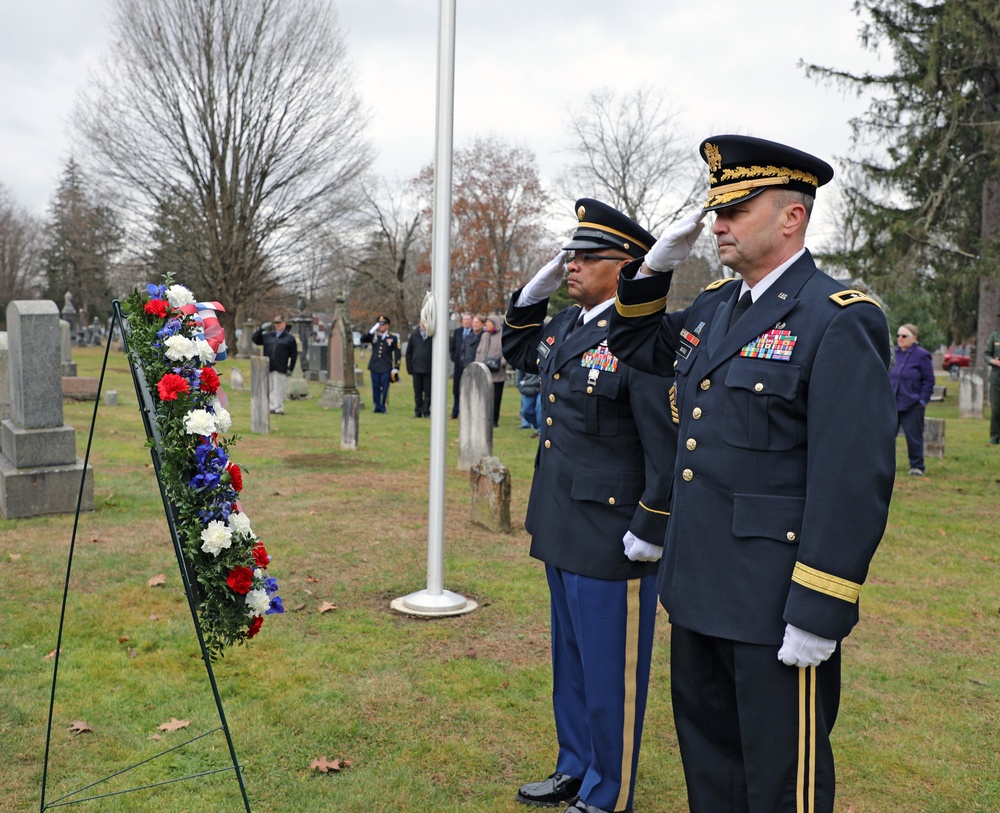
39 470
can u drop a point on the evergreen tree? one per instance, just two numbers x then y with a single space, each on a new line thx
82 239
921 217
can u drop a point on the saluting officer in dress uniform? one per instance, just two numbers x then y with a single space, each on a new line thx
597 512
785 465
384 362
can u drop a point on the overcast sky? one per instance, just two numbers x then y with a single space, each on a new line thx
520 66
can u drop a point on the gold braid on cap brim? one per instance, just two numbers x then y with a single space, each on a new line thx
742 173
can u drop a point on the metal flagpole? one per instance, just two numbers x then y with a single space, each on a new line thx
435 600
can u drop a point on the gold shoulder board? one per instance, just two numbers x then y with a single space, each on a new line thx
850 297
719 283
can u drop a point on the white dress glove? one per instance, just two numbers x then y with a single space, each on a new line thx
373 328
545 282
638 550
801 648
675 243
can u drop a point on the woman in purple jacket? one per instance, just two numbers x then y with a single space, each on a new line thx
912 378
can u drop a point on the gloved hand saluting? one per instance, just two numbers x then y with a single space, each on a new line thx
638 550
545 282
801 648
675 243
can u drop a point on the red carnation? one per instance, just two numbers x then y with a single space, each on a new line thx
240 580
209 380
255 626
157 307
235 477
172 385
260 557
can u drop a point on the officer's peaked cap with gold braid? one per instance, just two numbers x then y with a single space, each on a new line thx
602 227
741 167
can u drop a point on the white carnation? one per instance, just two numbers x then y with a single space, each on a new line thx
178 296
199 422
223 420
239 523
258 601
206 355
180 348
215 537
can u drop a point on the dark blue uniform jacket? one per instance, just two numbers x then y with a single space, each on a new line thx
786 452
605 455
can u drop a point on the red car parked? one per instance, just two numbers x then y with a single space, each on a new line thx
956 357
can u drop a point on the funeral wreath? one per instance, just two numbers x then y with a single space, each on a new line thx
173 342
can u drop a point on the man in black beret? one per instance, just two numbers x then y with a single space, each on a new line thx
784 469
597 512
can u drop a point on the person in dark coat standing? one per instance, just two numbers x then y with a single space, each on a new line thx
418 365
597 512
912 378
456 349
384 362
785 466
281 351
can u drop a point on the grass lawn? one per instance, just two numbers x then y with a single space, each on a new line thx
450 714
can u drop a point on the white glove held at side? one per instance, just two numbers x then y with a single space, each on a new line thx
545 282
675 243
801 648
638 550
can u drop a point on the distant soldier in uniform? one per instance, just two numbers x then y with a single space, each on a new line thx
785 466
597 512
384 362
992 354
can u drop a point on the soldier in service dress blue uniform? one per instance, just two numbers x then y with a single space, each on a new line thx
784 470
384 362
597 513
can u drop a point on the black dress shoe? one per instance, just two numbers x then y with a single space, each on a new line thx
558 789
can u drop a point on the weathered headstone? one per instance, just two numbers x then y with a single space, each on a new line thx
934 437
490 481
4 377
296 387
111 398
260 412
341 361
349 423
236 379
244 345
475 427
39 470
66 349
970 394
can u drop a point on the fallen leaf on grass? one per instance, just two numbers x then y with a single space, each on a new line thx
326 606
173 725
122 639
132 653
311 578
80 727
157 580
52 654
321 764
298 607
14 556
154 617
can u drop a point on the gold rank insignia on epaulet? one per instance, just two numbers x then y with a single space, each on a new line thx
851 297
712 286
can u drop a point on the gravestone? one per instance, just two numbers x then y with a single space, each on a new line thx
296 387
236 379
111 398
475 425
341 360
66 349
39 470
4 378
244 345
934 437
260 412
349 422
490 481
970 394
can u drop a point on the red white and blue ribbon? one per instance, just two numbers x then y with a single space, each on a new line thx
204 314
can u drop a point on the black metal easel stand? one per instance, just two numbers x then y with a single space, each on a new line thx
147 409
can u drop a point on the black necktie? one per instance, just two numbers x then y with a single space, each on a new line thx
576 324
745 302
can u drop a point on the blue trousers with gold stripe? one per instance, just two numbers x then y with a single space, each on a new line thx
602 640
754 734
